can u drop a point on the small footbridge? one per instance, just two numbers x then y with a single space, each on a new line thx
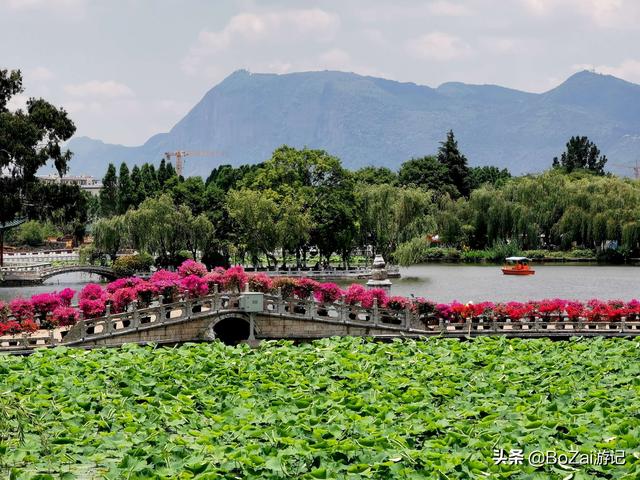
251 317
35 274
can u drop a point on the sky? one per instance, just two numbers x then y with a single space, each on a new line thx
127 69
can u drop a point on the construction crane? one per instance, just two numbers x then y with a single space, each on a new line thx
180 154
635 168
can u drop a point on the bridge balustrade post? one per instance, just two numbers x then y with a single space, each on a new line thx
407 318
161 310
311 308
343 308
109 326
279 301
135 320
375 313
216 297
187 304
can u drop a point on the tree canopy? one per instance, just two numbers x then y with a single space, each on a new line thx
581 154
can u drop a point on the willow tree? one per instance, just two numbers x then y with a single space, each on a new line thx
390 215
254 215
160 227
109 235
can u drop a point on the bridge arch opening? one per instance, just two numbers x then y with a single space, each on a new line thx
231 331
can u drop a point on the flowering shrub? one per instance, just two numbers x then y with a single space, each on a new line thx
145 291
122 298
92 300
374 294
305 287
123 283
66 296
550 307
216 277
286 285
234 279
397 303
327 292
260 282
166 283
21 309
354 293
11 327
195 286
423 307
191 267
28 326
63 316
44 304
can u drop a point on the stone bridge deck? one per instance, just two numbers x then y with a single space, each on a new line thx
221 316
35 274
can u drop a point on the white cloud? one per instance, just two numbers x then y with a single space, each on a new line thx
36 4
449 9
41 74
96 88
438 46
18 101
258 27
603 13
335 59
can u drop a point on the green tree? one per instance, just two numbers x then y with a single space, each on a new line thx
426 172
581 153
190 192
156 226
375 176
149 179
458 174
126 192
199 232
390 215
109 192
255 215
29 138
109 235
488 175
137 188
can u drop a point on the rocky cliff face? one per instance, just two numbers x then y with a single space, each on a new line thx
373 121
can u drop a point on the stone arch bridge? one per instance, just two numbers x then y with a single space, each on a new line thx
35 274
251 317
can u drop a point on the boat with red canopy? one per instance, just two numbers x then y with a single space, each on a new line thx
517 266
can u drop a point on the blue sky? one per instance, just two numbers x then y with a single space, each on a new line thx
126 69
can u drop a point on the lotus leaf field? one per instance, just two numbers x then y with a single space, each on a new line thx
334 408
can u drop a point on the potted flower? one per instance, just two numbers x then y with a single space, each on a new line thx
425 310
65 316
167 284
146 292
326 293
195 287
260 282
305 287
353 297
234 279
66 296
191 267
43 305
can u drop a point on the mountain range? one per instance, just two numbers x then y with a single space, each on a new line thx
372 121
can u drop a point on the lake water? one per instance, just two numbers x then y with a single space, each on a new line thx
447 282
70 280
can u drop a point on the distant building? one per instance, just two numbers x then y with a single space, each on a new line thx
85 182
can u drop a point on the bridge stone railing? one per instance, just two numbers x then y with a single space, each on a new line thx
395 323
